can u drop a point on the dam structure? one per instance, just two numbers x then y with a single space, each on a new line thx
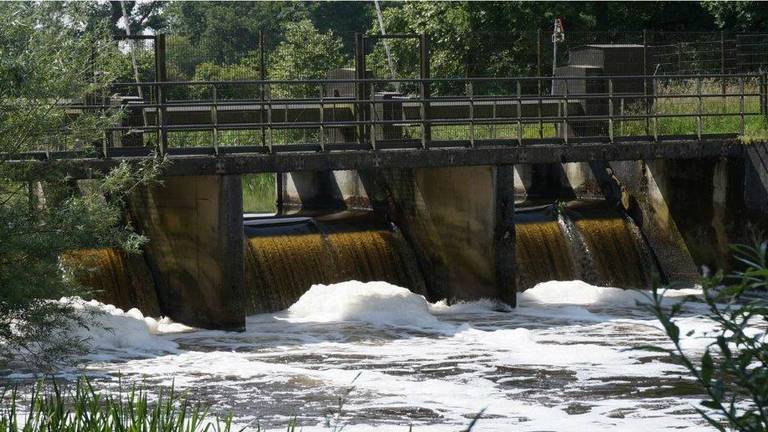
456 188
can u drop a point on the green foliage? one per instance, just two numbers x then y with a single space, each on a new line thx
259 193
733 371
45 64
304 54
52 408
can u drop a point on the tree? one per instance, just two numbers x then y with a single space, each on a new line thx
305 54
46 63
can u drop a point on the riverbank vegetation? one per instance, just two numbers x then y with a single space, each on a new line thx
733 370
83 408
47 50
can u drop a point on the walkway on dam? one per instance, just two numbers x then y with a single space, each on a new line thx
590 110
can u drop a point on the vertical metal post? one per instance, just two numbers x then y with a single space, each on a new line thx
425 89
493 125
610 110
162 138
621 114
161 77
722 52
700 107
519 114
359 85
645 81
322 118
470 92
722 65
215 120
565 113
538 55
538 80
741 105
262 78
653 110
270 134
371 124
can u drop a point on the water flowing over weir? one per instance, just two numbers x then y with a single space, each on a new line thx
115 277
284 257
586 240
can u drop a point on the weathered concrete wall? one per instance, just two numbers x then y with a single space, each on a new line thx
323 190
688 210
756 178
460 223
195 226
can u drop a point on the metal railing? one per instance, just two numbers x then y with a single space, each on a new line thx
367 114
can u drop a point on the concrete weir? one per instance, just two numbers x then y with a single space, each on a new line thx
195 226
458 220
459 223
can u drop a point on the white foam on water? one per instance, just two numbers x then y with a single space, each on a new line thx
560 361
112 329
378 303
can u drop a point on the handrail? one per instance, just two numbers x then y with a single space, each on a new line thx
573 111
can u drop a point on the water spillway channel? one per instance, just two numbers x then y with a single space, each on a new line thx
585 240
286 256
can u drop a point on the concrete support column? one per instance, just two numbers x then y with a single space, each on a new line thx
323 191
196 248
459 221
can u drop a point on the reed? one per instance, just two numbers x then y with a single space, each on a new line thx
49 407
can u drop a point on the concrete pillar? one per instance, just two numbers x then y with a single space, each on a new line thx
196 247
756 178
459 221
323 191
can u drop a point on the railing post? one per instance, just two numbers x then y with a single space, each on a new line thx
215 119
621 114
470 92
700 106
493 125
425 89
262 78
722 65
161 77
519 113
371 125
645 81
270 133
539 109
163 134
654 91
610 110
321 116
741 105
538 80
565 112
359 86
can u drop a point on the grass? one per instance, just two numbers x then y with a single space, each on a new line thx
52 409
259 193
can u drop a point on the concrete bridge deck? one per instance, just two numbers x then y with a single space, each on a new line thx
245 160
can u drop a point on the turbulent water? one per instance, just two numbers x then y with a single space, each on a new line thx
558 362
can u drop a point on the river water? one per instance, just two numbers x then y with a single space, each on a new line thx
561 361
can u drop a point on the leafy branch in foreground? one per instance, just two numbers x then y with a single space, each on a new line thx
733 370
